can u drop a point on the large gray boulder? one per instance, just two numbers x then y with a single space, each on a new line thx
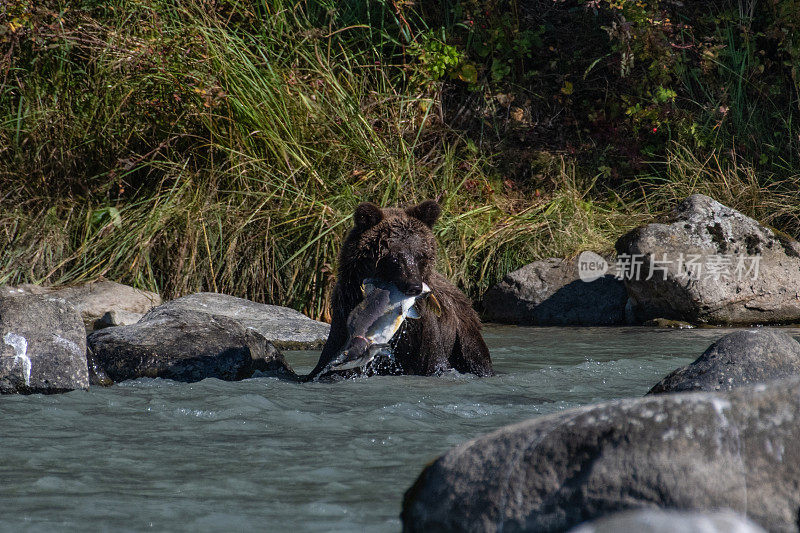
737 359
183 345
690 451
671 521
712 265
42 346
93 300
285 328
551 293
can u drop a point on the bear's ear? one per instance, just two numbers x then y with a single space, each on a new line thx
367 215
428 212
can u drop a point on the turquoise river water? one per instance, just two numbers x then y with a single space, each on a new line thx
263 454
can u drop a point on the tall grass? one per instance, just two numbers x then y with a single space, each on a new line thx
182 148
239 165
773 200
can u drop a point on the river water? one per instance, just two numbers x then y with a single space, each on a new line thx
266 454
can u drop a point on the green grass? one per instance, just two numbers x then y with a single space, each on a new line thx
180 148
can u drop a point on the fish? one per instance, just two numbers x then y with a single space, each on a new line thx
374 321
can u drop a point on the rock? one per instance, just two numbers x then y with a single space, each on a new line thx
689 451
670 521
26 289
711 264
668 324
118 317
184 345
93 300
737 359
286 328
43 346
97 376
551 293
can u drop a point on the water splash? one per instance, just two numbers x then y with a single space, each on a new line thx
20 347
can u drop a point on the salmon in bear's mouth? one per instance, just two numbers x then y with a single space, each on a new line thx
373 322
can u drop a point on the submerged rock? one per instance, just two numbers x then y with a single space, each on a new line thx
737 359
285 328
671 521
184 345
690 451
668 324
93 300
42 346
551 293
711 264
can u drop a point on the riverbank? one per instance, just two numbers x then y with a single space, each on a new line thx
183 147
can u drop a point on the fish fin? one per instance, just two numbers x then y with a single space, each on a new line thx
413 313
433 303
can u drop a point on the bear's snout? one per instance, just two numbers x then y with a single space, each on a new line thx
410 288
402 270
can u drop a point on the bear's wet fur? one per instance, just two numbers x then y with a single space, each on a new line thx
398 246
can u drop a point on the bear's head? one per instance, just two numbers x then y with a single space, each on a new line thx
393 245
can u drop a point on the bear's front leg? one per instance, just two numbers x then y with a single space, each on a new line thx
470 353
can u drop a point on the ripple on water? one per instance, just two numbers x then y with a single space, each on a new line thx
208 456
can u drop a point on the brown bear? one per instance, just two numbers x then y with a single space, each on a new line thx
398 246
